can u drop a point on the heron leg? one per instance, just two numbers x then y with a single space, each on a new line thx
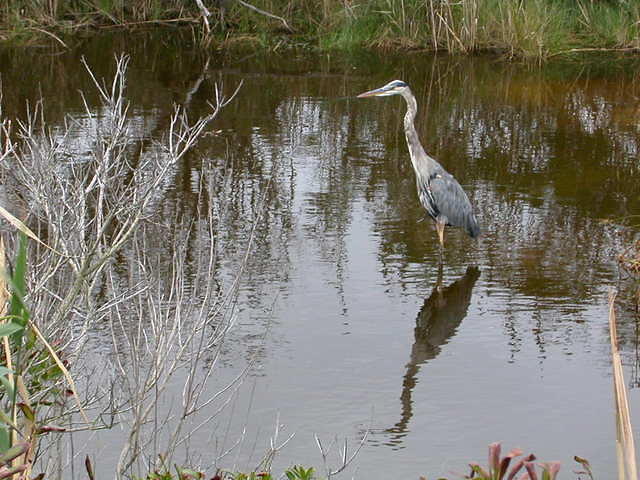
439 277
440 229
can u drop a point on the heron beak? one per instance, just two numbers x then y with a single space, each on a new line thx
374 93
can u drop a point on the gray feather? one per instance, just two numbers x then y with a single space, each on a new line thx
445 200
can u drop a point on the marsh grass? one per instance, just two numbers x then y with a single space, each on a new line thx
610 25
517 28
529 29
348 31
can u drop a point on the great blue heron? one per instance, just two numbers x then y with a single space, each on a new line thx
440 194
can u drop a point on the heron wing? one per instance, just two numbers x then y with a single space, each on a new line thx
444 198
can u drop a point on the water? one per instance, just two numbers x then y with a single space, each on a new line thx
339 306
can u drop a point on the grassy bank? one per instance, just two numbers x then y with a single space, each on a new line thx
532 28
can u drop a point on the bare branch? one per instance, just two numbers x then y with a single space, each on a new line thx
265 13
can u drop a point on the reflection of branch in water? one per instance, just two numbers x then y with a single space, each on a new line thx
436 323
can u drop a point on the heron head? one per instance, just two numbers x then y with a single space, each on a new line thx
395 87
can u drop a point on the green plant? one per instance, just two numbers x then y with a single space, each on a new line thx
296 472
502 467
31 375
300 473
349 31
181 473
610 25
533 28
252 476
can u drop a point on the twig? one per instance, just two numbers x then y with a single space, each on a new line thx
62 368
52 35
267 14
23 228
594 49
151 22
205 15
345 459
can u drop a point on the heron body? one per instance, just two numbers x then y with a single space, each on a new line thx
440 193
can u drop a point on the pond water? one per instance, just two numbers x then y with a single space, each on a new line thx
339 306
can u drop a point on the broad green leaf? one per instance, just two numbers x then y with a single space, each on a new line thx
4 418
6 384
9 328
18 285
27 411
5 439
13 452
18 280
188 474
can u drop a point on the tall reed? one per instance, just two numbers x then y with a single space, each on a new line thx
625 445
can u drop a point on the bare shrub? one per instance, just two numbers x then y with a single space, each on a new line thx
135 303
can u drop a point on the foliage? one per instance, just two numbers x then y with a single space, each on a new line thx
31 378
498 467
294 473
610 24
534 28
299 473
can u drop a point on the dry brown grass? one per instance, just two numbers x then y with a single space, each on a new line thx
625 446
629 259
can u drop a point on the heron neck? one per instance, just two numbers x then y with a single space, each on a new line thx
416 151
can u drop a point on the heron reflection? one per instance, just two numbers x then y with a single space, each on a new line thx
436 323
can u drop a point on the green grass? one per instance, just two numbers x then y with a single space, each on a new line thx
517 28
523 29
610 25
352 31
536 28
